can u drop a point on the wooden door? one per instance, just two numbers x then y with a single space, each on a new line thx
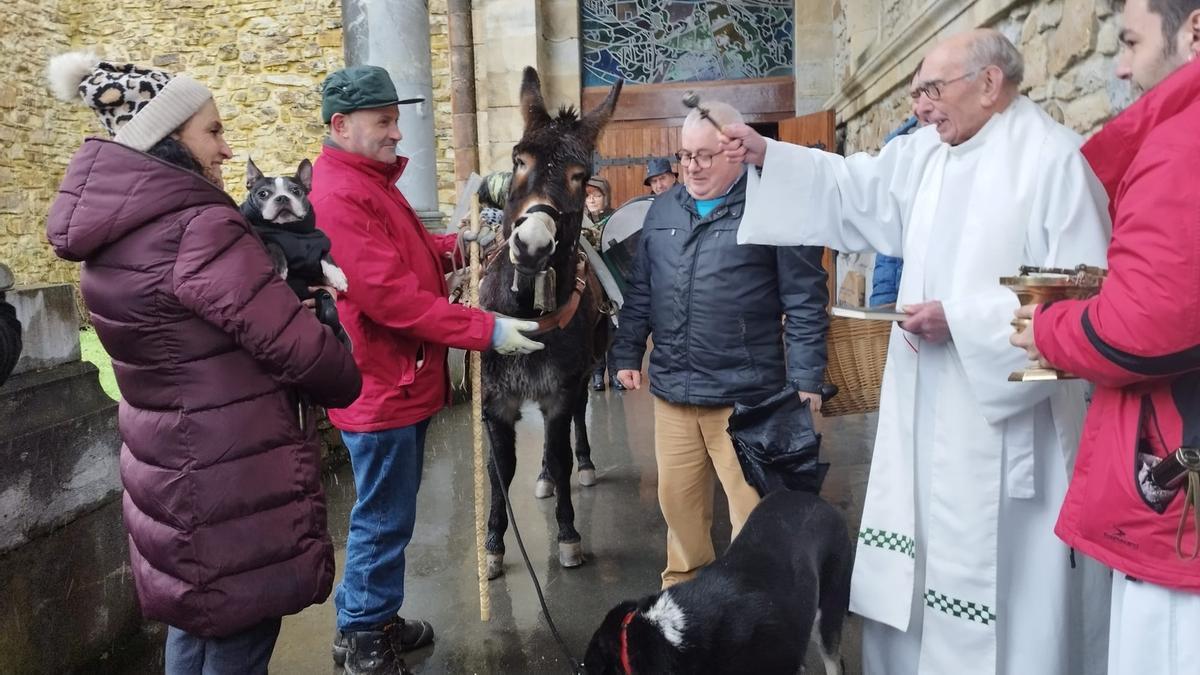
818 130
622 154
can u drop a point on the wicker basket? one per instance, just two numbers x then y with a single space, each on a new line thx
857 352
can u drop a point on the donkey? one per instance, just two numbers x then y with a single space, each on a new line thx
542 223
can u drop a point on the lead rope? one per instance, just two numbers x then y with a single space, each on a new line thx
1191 505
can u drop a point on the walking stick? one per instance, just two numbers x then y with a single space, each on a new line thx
485 601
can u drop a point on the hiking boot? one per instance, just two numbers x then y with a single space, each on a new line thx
370 653
405 636
598 381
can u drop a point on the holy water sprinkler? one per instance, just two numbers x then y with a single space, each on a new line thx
692 100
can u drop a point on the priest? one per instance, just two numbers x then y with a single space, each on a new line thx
958 569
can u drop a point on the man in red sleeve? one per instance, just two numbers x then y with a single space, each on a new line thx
1139 341
400 324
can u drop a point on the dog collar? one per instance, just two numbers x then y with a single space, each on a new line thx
625 642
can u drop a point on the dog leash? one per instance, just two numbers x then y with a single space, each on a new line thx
576 666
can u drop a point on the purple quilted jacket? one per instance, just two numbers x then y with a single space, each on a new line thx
212 352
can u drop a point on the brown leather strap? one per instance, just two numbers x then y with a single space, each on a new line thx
558 319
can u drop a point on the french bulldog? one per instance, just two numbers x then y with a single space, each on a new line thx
278 209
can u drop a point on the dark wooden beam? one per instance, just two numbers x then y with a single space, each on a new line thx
762 100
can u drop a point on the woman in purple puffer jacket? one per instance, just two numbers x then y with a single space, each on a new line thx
215 359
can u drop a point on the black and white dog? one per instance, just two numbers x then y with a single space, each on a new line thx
785 578
278 209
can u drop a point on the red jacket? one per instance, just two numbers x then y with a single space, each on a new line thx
1139 339
396 312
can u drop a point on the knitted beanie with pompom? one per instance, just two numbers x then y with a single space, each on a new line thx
138 106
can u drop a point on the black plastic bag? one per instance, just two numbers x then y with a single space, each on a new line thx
777 445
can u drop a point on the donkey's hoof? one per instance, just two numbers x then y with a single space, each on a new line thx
543 489
587 477
495 565
570 554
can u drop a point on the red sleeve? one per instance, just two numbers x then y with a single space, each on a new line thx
383 284
1145 322
445 245
223 274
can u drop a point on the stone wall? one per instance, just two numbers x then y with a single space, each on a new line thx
1069 67
264 61
37 136
439 43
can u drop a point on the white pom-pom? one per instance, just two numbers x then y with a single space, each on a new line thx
66 72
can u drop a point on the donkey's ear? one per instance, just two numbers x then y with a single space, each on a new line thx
595 120
533 107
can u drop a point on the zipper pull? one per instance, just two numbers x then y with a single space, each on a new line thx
672 232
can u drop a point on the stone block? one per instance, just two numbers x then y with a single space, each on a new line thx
1108 40
1037 56
1076 38
59 448
1088 111
50 325
68 597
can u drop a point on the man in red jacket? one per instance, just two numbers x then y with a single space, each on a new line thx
400 324
1139 341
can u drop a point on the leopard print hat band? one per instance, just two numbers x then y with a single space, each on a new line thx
138 106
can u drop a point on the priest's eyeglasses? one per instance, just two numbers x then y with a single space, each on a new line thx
933 88
703 161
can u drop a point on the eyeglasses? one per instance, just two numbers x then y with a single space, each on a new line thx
933 88
686 158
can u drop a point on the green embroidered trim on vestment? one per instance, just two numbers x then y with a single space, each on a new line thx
891 541
972 611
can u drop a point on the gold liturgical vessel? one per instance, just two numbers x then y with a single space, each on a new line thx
1039 285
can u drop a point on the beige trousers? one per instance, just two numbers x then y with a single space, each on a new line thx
690 443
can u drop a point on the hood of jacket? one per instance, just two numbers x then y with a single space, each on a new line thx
111 189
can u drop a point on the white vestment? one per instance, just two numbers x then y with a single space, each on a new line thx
957 568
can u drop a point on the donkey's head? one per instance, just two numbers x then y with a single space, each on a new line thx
551 166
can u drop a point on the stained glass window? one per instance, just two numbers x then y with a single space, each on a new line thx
648 41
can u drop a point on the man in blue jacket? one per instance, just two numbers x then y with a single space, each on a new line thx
730 323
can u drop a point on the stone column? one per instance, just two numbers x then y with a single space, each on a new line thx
394 34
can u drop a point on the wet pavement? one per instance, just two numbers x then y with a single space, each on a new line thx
623 539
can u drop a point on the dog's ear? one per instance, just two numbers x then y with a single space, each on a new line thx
603 655
304 174
252 173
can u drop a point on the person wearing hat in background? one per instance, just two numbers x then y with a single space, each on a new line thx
212 352
401 324
598 202
659 176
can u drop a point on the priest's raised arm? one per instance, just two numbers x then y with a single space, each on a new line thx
857 203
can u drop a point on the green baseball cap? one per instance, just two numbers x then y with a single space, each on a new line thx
356 88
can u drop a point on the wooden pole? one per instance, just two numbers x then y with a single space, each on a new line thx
485 602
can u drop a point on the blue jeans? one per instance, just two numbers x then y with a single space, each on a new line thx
247 652
387 474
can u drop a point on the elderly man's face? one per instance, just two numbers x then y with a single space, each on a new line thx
957 109
1147 57
709 174
662 182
